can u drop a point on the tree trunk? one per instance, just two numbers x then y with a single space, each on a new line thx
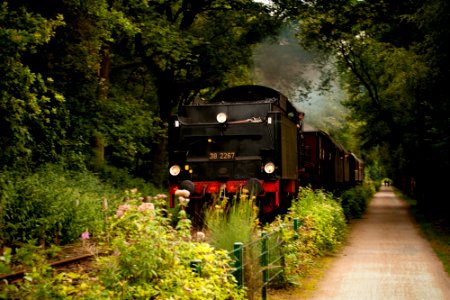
103 89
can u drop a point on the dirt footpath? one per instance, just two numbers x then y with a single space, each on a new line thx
385 258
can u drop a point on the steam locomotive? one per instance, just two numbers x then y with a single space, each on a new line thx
251 137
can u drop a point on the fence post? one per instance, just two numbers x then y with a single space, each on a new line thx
264 264
239 264
296 226
282 250
196 266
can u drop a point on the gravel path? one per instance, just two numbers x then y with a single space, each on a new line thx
385 258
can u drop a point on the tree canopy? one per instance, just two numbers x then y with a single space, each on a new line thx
95 81
392 62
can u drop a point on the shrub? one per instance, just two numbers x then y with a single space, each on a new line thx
148 259
355 201
52 206
323 228
153 260
121 179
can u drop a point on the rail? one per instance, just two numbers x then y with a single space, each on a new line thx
18 275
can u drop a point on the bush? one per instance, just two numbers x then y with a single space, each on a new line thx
355 201
121 179
148 259
52 206
154 261
323 228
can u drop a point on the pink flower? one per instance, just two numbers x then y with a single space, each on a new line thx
146 207
85 235
122 209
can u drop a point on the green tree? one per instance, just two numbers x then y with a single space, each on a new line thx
29 105
120 62
391 57
183 50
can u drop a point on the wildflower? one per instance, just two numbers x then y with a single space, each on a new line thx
200 236
146 207
122 209
134 190
183 201
182 193
85 235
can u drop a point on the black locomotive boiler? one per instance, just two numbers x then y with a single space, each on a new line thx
245 137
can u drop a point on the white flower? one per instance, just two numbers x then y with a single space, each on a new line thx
200 236
183 201
183 193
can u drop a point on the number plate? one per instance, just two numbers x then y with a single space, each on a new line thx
222 155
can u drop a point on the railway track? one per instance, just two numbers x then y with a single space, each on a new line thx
72 262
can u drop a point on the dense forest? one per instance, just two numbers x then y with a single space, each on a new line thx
90 85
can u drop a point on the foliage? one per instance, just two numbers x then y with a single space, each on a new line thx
52 206
228 223
121 179
391 58
29 105
153 260
323 228
93 83
129 144
354 201
322 215
149 259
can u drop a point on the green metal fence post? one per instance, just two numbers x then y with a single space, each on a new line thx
239 264
282 250
264 263
196 266
296 226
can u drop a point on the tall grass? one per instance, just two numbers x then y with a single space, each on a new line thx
228 223
237 221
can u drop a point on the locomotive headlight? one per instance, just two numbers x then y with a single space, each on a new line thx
174 170
269 168
221 117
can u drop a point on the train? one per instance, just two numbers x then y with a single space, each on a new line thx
326 164
252 137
